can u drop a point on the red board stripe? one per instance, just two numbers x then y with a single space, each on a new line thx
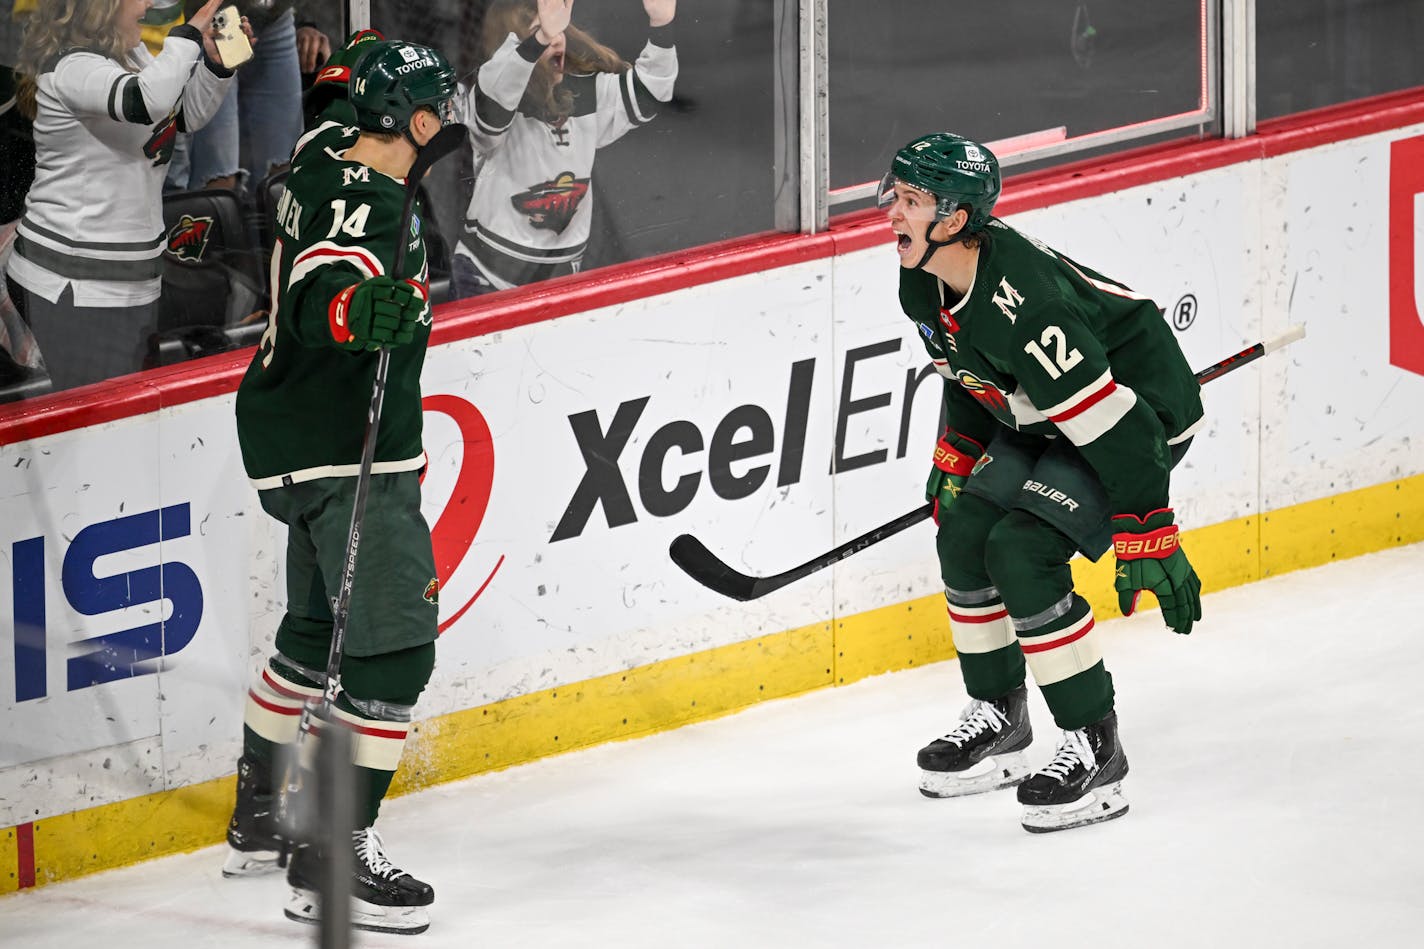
25 846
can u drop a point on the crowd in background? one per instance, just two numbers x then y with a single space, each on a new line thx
140 175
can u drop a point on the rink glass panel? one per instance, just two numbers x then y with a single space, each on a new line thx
1315 53
721 161
1059 71
700 172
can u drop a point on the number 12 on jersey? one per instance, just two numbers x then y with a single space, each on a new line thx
1063 357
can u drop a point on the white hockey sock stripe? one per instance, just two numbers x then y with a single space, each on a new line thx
1063 653
274 706
377 744
977 629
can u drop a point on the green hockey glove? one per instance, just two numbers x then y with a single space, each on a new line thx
954 459
1149 557
334 76
376 312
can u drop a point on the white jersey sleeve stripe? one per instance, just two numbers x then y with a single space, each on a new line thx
114 93
1090 393
1090 418
1023 409
323 253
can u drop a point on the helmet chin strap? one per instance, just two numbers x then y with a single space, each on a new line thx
933 245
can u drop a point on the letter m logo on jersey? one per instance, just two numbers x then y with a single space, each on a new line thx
1406 254
1006 298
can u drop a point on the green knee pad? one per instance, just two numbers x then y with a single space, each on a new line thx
1027 559
397 678
307 642
964 528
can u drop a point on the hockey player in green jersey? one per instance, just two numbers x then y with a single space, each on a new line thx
1066 404
301 417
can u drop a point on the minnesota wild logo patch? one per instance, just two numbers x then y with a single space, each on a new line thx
188 238
988 394
550 205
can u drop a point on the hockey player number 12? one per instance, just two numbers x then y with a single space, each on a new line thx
1064 357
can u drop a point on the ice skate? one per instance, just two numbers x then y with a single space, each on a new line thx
1082 784
384 898
254 845
983 752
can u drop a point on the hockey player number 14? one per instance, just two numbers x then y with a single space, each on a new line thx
355 225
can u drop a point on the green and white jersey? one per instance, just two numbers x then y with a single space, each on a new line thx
1044 345
302 405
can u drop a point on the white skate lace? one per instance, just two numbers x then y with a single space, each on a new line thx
372 852
1076 749
978 715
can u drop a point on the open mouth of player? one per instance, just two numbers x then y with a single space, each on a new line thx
902 242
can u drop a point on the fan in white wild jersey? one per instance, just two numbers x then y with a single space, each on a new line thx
547 97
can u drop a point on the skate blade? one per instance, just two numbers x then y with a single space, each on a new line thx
1100 804
305 907
389 919
991 774
250 864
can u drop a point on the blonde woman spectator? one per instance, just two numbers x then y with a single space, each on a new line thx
85 272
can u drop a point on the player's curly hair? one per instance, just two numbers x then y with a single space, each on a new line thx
60 25
544 98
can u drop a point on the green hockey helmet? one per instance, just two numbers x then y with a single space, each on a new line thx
953 169
392 80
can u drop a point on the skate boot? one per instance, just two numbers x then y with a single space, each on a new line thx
254 845
384 899
1082 784
983 752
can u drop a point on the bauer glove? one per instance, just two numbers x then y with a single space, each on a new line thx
376 312
954 459
1149 557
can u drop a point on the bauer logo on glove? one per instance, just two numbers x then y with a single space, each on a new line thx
1150 557
1159 543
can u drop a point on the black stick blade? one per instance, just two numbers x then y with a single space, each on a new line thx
702 565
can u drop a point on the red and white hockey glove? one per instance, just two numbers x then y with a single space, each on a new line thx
1149 557
954 459
378 311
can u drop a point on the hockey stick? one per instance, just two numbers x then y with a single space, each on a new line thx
447 140
1250 354
708 569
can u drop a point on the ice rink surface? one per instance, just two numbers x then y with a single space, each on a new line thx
1277 761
